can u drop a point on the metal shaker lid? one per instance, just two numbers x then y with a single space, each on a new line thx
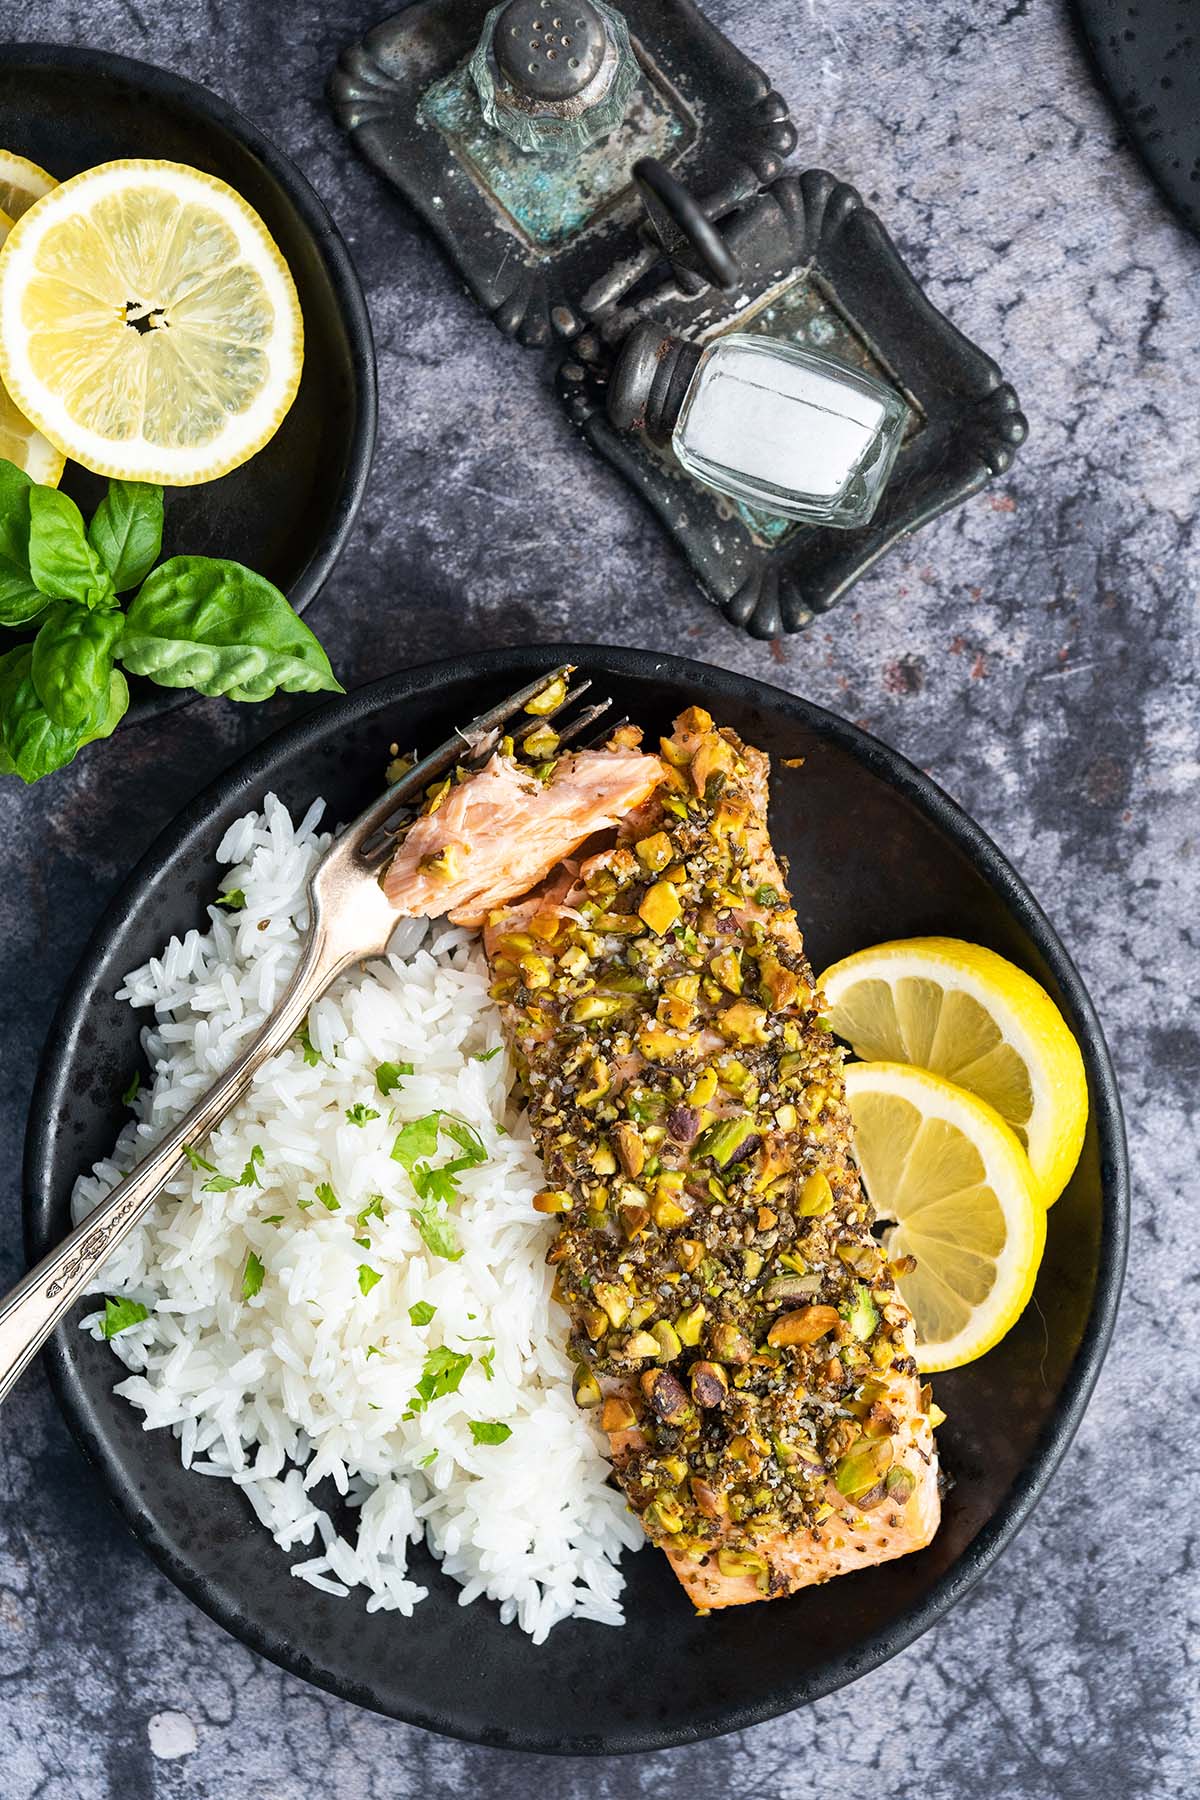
552 51
651 378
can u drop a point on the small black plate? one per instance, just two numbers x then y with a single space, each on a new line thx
288 511
876 851
1148 56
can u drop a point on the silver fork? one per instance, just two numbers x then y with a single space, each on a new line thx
350 919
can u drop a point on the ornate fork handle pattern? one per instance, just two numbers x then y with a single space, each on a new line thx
36 1304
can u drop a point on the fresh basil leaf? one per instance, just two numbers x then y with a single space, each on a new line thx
119 1315
14 511
219 627
126 531
61 561
21 600
72 661
33 744
114 710
489 1431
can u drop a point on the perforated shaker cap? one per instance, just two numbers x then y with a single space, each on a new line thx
549 52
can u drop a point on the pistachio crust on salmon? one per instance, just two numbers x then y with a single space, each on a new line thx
732 1315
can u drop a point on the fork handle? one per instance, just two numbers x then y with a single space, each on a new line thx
31 1311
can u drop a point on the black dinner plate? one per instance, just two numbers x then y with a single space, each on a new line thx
877 851
288 511
1148 57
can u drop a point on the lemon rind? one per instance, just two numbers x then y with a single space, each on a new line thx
1008 1170
1028 1019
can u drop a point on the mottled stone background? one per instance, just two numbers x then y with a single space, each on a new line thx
1035 651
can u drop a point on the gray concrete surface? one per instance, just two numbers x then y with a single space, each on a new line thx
1035 651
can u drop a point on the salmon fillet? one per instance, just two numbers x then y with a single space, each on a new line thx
732 1314
501 831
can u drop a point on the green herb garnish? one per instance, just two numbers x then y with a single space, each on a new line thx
222 1184
132 1091
358 1114
441 1374
233 898
197 1161
489 1431
421 1312
249 1175
327 1197
367 1277
252 1279
437 1234
312 1055
416 1141
389 1075
372 1210
119 1315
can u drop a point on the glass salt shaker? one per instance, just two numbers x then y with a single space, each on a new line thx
785 429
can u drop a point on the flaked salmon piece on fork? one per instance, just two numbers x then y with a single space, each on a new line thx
733 1317
501 831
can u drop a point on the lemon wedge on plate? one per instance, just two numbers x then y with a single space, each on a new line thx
947 1171
149 326
21 183
967 1014
21 442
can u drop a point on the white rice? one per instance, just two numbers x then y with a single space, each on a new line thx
311 1378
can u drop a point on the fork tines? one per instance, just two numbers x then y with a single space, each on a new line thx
471 745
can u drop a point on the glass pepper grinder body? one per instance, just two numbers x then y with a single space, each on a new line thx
784 429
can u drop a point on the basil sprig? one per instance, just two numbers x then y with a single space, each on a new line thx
195 621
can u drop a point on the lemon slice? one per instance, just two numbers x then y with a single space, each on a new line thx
148 324
21 442
21 183
967 1014
951 1175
